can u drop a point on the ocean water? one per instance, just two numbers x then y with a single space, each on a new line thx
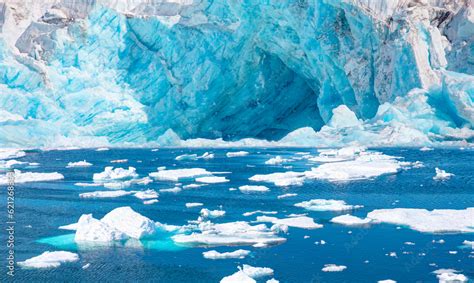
41 207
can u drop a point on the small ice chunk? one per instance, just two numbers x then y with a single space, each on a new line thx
237 153
284 179
434 221
102 149
82 163
286 196
468 243
248 188
257 272
450 276
147 194
387 281
28 177
193 186
105 194
177 174
150 201
207 155
441 174
49 259
115 174
326 205
126 220
119 161
206 213
86 266
259 212
333 268
217 255
350 220
193 204
186 157
425 148
212 180
171 190
276 160
303 222
80 184
273 280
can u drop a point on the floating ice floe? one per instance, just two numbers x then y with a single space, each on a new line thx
237 153
326 205
193 204
303 222
434 221
212 180
115 174
238 277
11 153
259 212
147 194
81 184
206 213
186 157
105 194
387 281
248 188
281 179
102 149
193 186
119 161
425 148
177 174
217 255
441 174
49 260
207 155
350 220
12 163
450 276
171 190
150 201
468 244
286 196
333 268
227 234
28 177
82 163
337 155
276 160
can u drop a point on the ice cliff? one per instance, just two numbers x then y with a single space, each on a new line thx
181 72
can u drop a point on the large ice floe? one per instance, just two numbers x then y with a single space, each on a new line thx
340 165
450 276
49 260
27 177
247 274
78 73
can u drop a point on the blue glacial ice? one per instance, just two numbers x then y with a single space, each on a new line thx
236 73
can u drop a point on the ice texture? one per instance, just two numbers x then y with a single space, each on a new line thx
49 260
376 72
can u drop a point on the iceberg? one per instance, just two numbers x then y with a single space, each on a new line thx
237 153
333 268
79 164
129 222
441 174
350 220
303 222
326 205
111 174
177 174
11 153
49 260
147 194
206 213
234 254
449 276
193 204
212 180
93 231
105 194
247 188
27 177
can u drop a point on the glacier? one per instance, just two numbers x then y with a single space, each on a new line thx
92 73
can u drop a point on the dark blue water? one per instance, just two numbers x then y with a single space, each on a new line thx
43 206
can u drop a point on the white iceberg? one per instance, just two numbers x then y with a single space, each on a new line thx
248 188
27 177
256 272
193 204
237 153
212 180
276 160
11 153
115 174
468 244
217 255
131 223
434 221
281 179
186 157
333 268
82 163
119 161
259 212
49 259
350 220
227 234
450 276
303 222
150 201
91 230
206 213
441 174
177 174
238 277
326 205
147 194
286 195
105 194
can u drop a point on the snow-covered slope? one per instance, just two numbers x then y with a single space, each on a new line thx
306 72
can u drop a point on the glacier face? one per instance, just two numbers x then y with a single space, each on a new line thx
180 72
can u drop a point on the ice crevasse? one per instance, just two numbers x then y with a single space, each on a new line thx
197 72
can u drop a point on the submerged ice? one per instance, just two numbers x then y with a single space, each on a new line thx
78 73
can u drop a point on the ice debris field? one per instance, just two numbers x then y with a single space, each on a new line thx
333 215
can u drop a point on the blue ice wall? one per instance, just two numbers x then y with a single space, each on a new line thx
226 69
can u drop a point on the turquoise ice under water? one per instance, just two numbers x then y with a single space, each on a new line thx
42 207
